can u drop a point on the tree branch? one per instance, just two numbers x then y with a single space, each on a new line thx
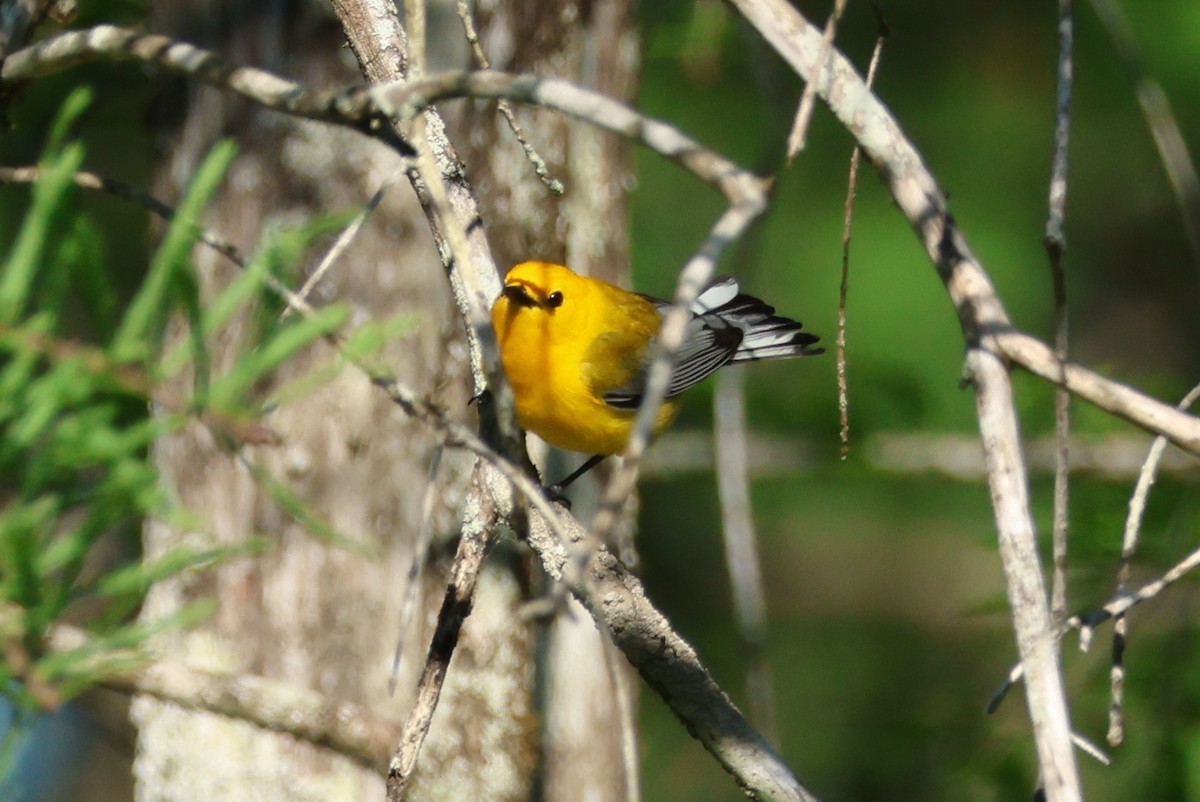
348 729
982 316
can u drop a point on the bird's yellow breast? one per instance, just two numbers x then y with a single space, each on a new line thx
562 358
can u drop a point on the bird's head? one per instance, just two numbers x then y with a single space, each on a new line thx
537 285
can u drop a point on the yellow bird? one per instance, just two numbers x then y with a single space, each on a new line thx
576 350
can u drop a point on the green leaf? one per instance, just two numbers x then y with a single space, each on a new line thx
136 579
115 653
92 280
43 220
147 312
21 528
72 109
228 392
369 338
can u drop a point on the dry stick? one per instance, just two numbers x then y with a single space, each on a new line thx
1133 526
128 192
419 553
981 315
266 89
379 42
671 667
348 729
1156 108
1056 245
625 714
340 245
695 275
481 61
741 547
668 663
354 108
478 534
843 378
1086 623
375 35
799 132
1118 399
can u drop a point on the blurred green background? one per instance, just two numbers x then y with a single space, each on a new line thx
889 627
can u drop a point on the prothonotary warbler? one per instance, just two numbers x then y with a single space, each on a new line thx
576 351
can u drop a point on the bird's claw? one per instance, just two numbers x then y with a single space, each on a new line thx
555 494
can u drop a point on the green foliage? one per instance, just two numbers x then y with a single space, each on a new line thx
75 434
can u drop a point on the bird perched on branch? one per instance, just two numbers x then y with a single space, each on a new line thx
576 351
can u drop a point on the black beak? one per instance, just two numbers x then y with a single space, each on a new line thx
517 294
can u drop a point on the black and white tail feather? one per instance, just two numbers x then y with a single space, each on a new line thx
727 326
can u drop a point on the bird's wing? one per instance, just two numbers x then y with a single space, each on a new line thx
726 326
709 342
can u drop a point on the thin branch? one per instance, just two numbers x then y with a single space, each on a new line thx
128 192
982 316
1056 245
668 664
1118 399
741 550
843 377
1156 108
481 61
478 534
420 553
799 132
340 245
1116 607
345 728
355 108
109 42
1129 541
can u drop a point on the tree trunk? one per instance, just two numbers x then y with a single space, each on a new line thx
319 616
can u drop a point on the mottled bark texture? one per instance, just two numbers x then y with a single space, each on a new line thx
314 614
594 44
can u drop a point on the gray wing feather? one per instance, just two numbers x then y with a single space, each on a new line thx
726 327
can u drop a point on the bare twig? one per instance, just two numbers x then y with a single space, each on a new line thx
799 132
481 61
266 89
340 244
420 554
982 316
843 378
1156 108
1056 245
1118 399
1129 541
670 665
741 549
128 192
1116 607
478 534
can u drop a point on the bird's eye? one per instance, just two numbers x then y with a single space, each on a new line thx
554 299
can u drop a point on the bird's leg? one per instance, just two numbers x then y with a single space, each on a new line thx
555 491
